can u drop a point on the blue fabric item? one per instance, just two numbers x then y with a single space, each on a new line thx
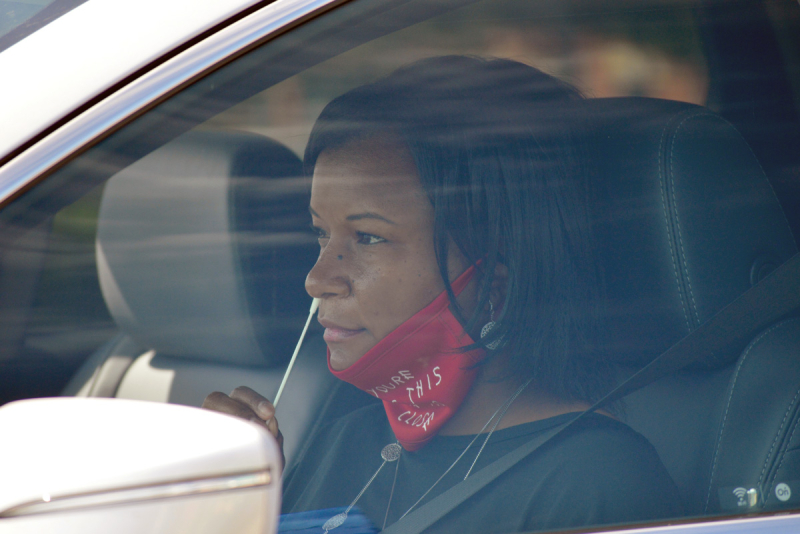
311 522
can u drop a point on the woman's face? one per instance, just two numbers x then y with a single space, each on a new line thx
377 265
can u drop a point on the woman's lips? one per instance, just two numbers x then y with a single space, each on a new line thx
337 334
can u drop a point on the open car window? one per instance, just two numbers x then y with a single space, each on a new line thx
169 260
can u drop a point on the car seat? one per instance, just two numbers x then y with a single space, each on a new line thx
202 250
686 221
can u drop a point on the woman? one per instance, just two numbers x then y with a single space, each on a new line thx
457 285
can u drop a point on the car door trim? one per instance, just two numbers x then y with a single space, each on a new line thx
169 490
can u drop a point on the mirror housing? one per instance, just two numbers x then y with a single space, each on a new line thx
86 465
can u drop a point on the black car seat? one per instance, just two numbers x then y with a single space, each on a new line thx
202 251
686 221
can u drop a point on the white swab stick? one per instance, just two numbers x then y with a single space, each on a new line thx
312 311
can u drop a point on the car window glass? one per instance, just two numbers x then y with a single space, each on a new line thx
169 259
652 52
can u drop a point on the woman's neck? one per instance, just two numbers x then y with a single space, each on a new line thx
486 396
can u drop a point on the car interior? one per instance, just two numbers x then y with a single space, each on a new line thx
181 337
199 251
671 264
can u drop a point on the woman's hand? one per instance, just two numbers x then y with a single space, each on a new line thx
245 403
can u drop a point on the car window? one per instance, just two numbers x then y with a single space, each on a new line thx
650 52
643 158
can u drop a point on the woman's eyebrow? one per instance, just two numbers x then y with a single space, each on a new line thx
369 215
358 216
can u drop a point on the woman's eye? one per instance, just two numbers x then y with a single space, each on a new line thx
369 239
321 234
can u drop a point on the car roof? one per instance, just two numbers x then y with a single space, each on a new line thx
99 44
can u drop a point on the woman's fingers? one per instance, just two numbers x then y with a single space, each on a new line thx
272 426
260 405
245 403
219 402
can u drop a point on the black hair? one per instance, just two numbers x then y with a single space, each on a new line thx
493 143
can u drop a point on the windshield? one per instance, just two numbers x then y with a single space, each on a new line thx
20 18
502 209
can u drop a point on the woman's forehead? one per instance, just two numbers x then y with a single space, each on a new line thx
381 152
378 171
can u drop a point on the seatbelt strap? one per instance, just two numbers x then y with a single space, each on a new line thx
730 329
769 300
429 513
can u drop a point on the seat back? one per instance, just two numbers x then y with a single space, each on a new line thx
755 463
202 250
686 221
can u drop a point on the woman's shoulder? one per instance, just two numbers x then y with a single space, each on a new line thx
592 433
601 448
601 437
609 467
598 471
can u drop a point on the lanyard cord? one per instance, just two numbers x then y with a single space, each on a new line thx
502 411
392 452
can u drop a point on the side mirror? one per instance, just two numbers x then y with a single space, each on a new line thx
90 465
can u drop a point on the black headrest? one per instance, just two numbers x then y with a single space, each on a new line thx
202 248
686 221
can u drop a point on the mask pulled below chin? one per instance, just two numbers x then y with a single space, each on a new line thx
419 371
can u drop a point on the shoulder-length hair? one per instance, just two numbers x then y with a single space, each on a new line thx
493 142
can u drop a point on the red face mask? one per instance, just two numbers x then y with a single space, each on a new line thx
418 370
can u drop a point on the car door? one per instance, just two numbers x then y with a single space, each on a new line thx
154 217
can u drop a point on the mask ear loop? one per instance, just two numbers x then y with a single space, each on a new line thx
312 311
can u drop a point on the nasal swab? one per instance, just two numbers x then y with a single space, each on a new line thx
312 311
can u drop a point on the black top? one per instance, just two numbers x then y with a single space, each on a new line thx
599 471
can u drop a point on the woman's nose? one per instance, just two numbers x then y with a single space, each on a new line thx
328 278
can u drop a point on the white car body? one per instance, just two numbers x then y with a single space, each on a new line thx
100 461
64 66
108 68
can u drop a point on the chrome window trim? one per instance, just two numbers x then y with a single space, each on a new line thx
89 125
147 493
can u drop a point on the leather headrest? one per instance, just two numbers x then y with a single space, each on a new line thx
202 250
685 221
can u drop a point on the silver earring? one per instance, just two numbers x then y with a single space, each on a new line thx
488 327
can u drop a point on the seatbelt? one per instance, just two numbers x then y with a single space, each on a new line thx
771 299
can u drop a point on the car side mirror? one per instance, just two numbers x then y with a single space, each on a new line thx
86 465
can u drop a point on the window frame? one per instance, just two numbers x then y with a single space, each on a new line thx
150 89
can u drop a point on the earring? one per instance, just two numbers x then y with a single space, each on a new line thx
488 327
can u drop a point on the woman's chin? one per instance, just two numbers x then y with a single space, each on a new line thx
341 358
347 350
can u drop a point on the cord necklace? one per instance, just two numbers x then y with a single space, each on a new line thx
392 453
